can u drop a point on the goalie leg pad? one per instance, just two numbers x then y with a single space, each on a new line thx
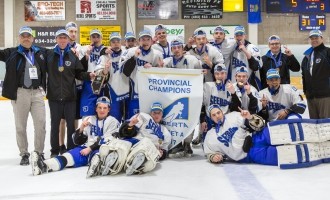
325 146
299 156
293 131
150 151
121 147
323 128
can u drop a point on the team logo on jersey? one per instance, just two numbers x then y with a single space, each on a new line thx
115 66
42 57
178 110
227 136
85 108
255 49
67 63
318 60
238 63
275 106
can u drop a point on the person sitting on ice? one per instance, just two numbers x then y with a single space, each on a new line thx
93 131
141 143
242 137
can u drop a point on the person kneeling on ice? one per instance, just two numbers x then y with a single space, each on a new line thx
292 143
142 142
93 132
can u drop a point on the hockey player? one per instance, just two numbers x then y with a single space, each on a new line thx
246 96
137 57
180 61
275 59
225 45
130 42
162 44
275 144
208 54
142 142
92 54
279 101
93 131
247 55
118 83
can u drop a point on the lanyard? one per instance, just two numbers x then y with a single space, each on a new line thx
144 52
218 126
176 61
61 61
30 57
200 52
218 45
165 55
279 62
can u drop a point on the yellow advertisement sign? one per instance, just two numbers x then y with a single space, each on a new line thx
106 31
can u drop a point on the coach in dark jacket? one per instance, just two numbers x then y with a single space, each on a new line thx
316 76
24 84
275 59
63 66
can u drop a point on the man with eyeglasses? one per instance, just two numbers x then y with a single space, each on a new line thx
247 55
24 85
137 57
92 54
276 59
63 67
207 54
316 76
162 44
280 101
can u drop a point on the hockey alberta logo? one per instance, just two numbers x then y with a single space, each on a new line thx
178 110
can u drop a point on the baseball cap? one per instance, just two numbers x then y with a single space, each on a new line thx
70 25
315 33
160 27
220 68
129 35
104 100
272 73
25 29
211 107
239 30
274 37
241 69
61 32
115 35
219 29
95 31
156 107
199 32
176 42
145 33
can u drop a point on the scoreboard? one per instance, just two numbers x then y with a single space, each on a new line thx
311 22
298 6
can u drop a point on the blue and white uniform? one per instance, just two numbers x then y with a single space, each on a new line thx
185 62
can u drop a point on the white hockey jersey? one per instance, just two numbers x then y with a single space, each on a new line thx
100 128
94 56
229 139
119 83
153 57
244 98
287 96
239 59
211 95
214 55
149 128
186 62
165 51
226 47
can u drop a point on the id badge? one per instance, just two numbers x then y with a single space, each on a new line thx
33 73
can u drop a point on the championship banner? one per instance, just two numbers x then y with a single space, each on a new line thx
45 36
44 10
173 31
180 91
96 10
105 30
202 9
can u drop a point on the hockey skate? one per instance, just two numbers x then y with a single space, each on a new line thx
136 163
94 166
110 160
187 149
176 152
37 163
197 141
